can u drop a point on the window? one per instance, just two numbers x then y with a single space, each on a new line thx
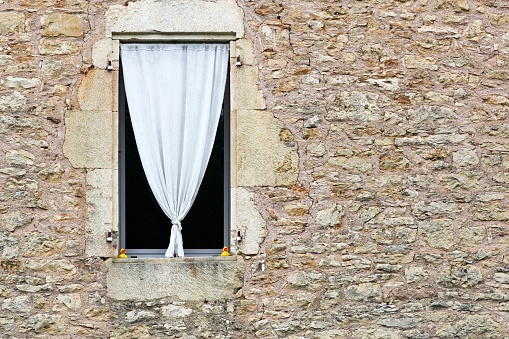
144 226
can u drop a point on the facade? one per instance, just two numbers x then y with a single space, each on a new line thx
368 172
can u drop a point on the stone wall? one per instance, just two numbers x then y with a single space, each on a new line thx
394 225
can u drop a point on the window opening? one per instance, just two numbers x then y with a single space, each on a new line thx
144 228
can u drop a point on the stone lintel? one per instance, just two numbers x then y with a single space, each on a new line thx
176 16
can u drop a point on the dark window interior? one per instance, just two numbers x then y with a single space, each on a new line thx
146 224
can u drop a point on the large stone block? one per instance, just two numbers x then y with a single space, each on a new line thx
191 16
249 222
99 212
263 159
12 22
95 92
246 91
88 139
62 24
186 279
101 51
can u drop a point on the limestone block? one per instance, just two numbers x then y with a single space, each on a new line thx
304 279
330 217
177 16
53 267
6 325
16 219
44 323
101 51
431 114
465 157
12 22
95 91
40 244
58 47
262 158
62 24
175 311
21 82
140 315
415 273
51 173
355 105
388 84
354 164
14 102
417 61
19 158
472 326
438 233
19 304
245 49
247 94
464 276
88 139
8 244
187 279
249 222
51 68
367 291
65 302
99 212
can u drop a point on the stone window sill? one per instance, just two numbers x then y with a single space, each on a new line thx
193 278
175 260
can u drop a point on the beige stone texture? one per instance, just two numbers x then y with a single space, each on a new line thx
245 49
354 105
102 52
189 16
92 94
249 222
51 266
185 279
88 140
438 233
417 61
370 143
247 95
99 212
262 158
58 47
12 22
62 24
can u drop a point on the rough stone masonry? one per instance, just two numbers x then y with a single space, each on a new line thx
394 225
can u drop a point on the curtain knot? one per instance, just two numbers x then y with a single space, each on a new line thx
177 223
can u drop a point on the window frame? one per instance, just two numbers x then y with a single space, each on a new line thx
227 193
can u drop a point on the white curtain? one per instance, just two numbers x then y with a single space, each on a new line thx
175 93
